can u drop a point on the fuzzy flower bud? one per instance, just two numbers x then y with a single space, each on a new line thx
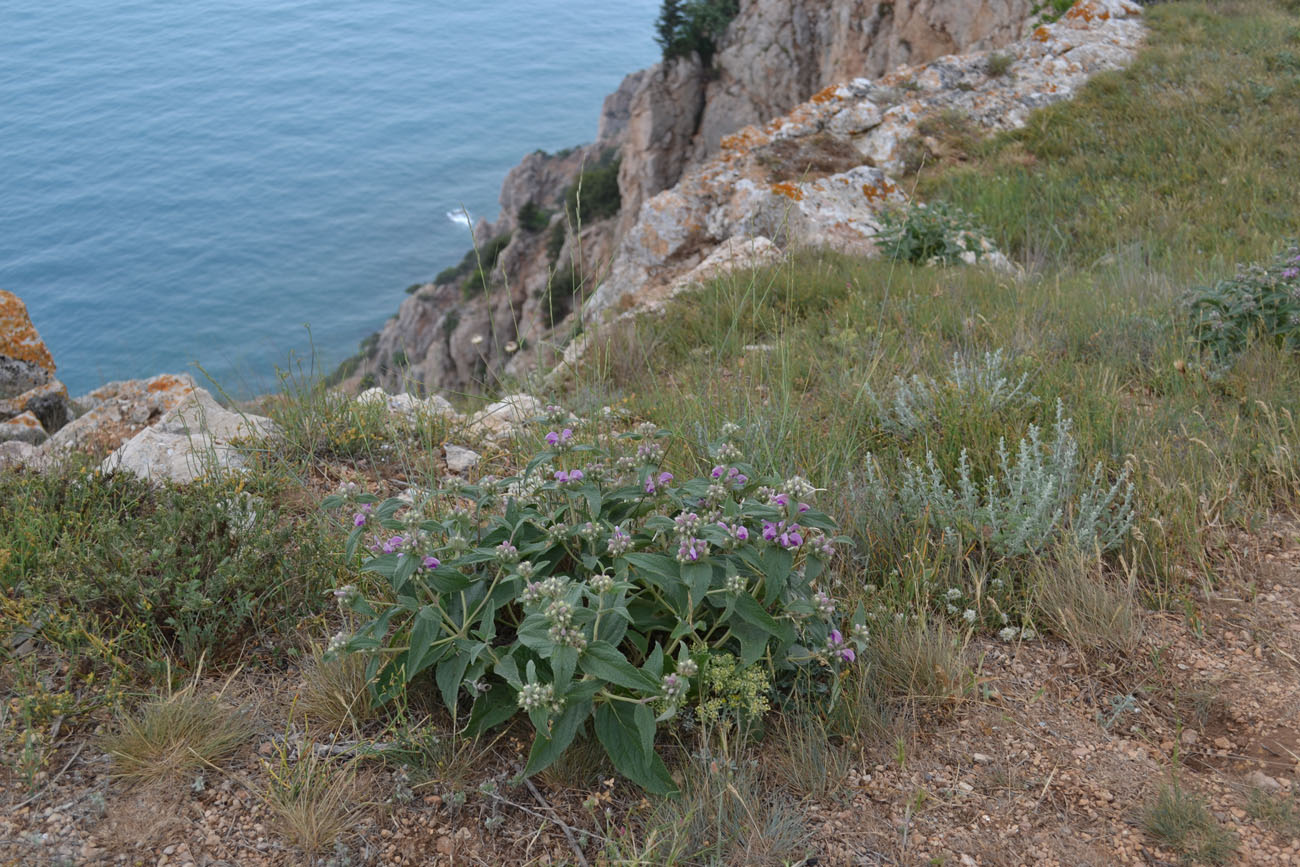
620 541
534 696
674 687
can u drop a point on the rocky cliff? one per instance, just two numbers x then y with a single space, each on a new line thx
516 302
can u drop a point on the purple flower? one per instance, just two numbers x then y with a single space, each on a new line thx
1291 273
803 507
553 438
785 534
358 520
740 533
575 475
690 549
718 471
651 485
431 562
836 647
392 544
561 476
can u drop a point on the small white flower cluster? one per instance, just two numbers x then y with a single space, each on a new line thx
535 696
1011 633
552 588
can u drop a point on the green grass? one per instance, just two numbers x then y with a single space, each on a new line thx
1180 820
1172 163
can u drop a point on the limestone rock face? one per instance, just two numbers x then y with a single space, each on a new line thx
25 361
777 54
792 82
757 185
25 428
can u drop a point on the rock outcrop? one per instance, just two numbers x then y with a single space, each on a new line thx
819 175
162 428
663 122
33 403
195 438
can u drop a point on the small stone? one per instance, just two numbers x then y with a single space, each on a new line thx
460 459
1261 780
1189 737
981 758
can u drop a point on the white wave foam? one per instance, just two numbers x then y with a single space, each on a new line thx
462 217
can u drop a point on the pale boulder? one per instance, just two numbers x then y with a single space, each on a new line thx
198 437
24 427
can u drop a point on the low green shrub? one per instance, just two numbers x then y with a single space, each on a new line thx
533 218
595 195
930 234
1262 302
158 561
693 26
599 591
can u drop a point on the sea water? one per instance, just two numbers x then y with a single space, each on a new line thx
248 185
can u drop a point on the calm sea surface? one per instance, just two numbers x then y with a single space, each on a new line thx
197 181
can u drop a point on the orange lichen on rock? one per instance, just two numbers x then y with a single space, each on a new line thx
1042 33
18 337
880 191
1087 11
167 382
743 139
826 94
788 190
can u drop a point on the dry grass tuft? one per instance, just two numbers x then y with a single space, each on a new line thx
335 692
168 737
917 661
311 798
1075 602
1179 819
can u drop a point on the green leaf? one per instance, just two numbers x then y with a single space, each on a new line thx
507 669
450 674
749 610
698 576
627 733
563 663
547 747
492 708
604 661
424 632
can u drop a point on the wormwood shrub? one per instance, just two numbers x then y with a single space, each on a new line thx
1033 499
982 384
1261 302
930 234
594 587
